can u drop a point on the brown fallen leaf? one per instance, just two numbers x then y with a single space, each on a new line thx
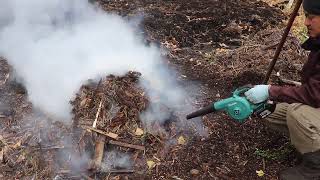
194 171
139 132
17 145
112 135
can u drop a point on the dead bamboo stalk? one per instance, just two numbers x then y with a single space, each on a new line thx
127 145
94 125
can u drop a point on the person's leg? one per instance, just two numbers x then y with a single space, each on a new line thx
278 119
304 128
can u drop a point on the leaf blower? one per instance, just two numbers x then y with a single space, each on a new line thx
237 107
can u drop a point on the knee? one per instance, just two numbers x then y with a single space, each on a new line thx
293 111
303 128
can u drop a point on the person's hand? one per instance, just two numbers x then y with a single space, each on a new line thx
258 94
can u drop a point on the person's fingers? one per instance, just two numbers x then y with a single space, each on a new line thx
250 98
248 93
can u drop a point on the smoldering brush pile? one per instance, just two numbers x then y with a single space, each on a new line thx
107 117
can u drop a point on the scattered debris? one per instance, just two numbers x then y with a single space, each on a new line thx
254 57
194 171
210 42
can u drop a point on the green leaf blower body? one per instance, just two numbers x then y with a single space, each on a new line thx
237 106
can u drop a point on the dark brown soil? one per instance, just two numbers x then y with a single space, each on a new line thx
190 30
210 42
198 23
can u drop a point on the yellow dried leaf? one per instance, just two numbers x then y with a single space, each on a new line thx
181 140
17 145
260 173
151 164
139 132
113 135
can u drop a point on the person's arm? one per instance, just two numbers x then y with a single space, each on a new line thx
308 93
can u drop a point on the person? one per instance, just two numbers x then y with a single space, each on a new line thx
298 107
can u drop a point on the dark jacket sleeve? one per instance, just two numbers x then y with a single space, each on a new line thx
308 93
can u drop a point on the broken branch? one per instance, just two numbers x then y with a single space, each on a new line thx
110 135
127 145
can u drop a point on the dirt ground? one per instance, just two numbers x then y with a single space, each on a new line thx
220 45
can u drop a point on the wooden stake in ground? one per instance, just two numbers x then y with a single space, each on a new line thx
99 147
98 154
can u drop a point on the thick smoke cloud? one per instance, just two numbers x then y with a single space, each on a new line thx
54 46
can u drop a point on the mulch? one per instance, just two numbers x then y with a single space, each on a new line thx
219 44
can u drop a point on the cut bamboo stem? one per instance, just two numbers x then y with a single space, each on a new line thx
94 125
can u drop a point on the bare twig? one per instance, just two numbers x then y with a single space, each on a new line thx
121 171
127 145
287 81
110 135
50 148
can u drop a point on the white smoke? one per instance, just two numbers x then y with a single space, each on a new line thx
54 46
116 160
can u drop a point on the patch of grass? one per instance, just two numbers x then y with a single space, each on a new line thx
299 29
274 154
302 34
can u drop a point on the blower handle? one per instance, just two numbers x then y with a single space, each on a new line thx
241 90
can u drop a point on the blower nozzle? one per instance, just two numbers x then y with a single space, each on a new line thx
201 112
